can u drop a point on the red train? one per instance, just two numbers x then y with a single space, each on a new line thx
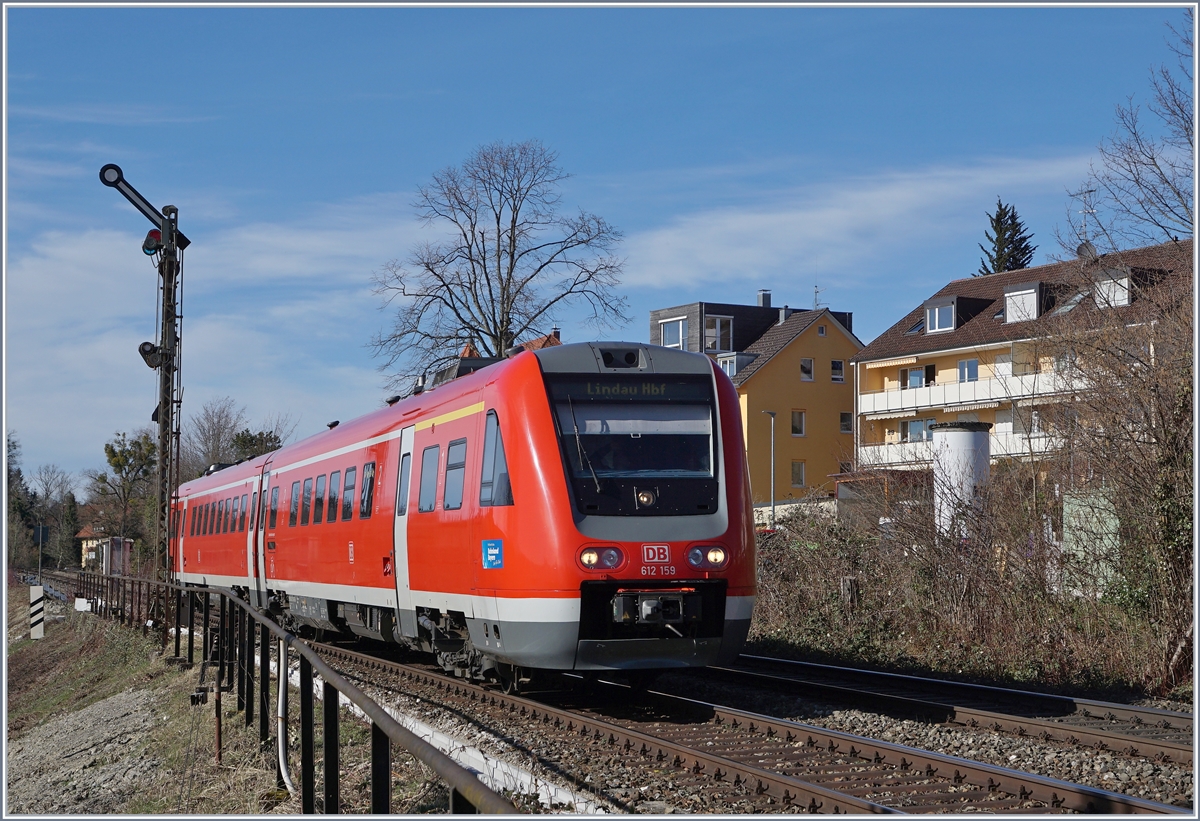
581 507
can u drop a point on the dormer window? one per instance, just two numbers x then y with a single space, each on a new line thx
939 318
1021 302
1112 289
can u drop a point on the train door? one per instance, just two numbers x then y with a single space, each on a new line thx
257 541
405 613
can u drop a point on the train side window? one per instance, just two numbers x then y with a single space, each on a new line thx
203 520
192 532
274 505
402 493
253 509
235 515
367 499
429 467
348 494
494 488
335 484
456 473
220 517
223 521
242 516
294 507
319 499
306 502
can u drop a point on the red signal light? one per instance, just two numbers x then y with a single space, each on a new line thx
153 242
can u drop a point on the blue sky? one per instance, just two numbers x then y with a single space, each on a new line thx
854 149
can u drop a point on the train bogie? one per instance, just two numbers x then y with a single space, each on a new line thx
584 507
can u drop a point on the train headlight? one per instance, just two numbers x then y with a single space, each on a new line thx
646 498
610 557
709 556
601 557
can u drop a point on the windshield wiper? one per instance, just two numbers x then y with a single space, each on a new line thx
583 457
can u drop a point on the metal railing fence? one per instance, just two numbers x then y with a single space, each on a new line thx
229 648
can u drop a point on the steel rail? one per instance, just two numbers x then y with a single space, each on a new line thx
838 774
1025 723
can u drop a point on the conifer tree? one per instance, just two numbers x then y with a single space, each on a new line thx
1009 246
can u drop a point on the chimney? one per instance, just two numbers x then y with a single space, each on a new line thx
764 298
784 313
554 332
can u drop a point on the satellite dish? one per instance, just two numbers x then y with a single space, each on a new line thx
1086 250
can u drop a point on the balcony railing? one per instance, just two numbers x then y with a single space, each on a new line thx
920 454
1001 389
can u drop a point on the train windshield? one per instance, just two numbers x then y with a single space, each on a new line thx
635 428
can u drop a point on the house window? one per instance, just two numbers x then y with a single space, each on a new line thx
917 377
797 423
673 333
1020 306
797 474
916 430
846 423
728 365
1112 293
718 333
820 330
968 370
837 370
806 370
939 318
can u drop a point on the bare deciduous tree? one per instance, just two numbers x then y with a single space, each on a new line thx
512 258
54 502
211 436
1143 187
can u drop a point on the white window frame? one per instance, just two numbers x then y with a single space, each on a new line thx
681 322
834 376
1020 306
713 344
1112 293
932 315
811 373
803 423
820 330
964 370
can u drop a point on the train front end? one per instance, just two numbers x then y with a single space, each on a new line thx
650 443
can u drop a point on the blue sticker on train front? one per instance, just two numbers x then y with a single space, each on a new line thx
493 554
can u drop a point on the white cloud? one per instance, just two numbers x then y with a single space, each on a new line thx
838 228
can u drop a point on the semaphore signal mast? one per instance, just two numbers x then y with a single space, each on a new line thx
167 243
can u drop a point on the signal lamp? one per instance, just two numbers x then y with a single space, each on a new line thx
646 498
153 243
151 354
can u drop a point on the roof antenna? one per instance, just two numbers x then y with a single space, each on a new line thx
1086 249
817 292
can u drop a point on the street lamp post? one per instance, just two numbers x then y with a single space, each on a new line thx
772 415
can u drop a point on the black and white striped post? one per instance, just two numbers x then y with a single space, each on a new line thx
37 606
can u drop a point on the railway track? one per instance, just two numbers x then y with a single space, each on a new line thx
725 760
1161 735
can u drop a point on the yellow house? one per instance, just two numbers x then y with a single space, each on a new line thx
799 370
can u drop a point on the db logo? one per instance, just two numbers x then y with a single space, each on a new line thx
655 554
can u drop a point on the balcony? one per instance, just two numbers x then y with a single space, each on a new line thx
920 454
1001 389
